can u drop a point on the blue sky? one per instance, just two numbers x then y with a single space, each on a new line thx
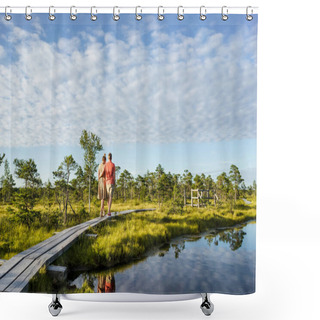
179 93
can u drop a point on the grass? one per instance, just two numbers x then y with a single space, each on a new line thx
129 237
16 237
123 238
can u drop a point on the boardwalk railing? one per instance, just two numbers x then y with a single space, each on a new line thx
16 273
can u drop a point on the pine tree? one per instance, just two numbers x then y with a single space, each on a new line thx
236 178
91 145
7 183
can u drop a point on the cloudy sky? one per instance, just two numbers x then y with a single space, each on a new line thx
179 93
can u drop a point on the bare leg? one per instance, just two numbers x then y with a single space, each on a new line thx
109 205
102 207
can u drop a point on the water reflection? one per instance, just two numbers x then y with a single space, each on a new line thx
233 237
178 248
106 283
217 261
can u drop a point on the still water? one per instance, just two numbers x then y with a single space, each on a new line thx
220 261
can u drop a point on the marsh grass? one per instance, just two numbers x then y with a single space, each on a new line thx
123 238
16 237
129 237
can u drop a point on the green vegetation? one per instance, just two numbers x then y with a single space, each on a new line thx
16 236
130 237
32 212
90 143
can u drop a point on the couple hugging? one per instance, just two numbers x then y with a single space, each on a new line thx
106 182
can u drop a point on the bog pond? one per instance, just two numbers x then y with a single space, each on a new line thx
219 259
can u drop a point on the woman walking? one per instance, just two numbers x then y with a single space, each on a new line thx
102 191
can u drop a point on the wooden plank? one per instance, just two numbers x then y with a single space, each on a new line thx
22 264
90 235
8 265
10 276
51 245
14 274
58 272
58 269
58 247
40 246
21 282
22 267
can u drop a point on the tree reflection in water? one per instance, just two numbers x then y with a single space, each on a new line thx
234 237
178 248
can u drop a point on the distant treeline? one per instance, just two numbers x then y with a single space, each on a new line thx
158 186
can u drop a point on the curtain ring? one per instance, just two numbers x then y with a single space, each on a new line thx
116 17
160 16
93 16
180 15
203 16
51 15
28 15
249 17
6 15
138 16
224 16
73 16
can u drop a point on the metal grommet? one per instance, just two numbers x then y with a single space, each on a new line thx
73 16
51 15
203 15
180 14
224 16
28 15
116 17
160 16
138 16
6 15
93 16
249 17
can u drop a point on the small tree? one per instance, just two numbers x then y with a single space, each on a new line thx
161 188
91 145
48 195
224 189
150 179
27 171
78 184
141 185
63 176
236 178
243 189
187 179
25 200
125 183
7 183
198 182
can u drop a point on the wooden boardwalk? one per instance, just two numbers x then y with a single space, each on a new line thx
16 273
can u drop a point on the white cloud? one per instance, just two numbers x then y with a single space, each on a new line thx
2 52
186 88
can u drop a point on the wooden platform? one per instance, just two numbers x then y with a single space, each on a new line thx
16 273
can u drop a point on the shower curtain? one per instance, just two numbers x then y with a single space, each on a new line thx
128 153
